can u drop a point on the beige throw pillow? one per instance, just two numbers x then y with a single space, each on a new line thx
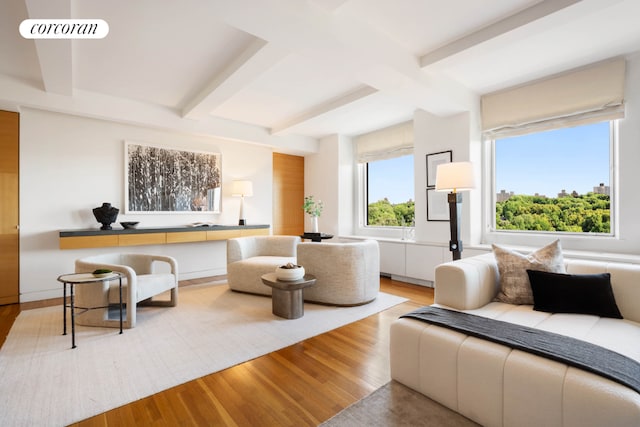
512 266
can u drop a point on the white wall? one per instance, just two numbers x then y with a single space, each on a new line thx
329 175
69 165
434 134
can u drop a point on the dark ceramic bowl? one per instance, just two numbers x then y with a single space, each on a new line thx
129 224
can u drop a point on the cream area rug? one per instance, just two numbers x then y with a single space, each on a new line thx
43 382
396 405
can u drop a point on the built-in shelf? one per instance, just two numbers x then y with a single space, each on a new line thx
96 238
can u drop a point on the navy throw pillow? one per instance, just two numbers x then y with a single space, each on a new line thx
573 293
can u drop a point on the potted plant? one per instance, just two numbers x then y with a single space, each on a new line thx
314 209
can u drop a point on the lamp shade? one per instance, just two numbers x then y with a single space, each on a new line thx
457 176
242 188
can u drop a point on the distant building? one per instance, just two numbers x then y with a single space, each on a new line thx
601 189
563 193
503 196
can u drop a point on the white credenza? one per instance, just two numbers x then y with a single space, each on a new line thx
392 258
414 262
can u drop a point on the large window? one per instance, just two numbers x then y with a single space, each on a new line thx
555 181
390 192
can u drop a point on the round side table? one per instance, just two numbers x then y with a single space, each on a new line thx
286 298
75 279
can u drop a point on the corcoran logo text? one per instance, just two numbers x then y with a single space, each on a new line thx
64 28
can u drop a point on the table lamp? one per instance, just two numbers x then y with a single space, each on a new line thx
455 177
242 189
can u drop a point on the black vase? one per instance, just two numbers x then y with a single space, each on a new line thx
106 215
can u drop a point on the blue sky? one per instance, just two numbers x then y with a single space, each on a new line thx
392 179
548 162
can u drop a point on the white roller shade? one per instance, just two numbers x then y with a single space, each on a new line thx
387 143
589 94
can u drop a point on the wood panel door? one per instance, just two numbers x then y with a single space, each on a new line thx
9 213
288 194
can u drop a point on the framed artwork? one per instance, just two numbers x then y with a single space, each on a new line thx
164 180
437 205
433 160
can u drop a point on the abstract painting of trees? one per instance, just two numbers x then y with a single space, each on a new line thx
167 180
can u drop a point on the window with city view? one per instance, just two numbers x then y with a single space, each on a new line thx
390 191
556 181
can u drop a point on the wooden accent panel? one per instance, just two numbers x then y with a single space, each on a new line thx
192 236
230 234
254 232
78 242
142 239
288 194
160 238
222 234
9 207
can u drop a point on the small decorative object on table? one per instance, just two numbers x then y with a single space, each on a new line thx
101 272
316 237
313 208
290 272
129 224
106 215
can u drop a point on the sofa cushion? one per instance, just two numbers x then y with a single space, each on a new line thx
617 335
573 293
513 266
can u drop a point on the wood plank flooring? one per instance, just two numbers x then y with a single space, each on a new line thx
301 385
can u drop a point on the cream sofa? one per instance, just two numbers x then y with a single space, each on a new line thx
497 386
347 272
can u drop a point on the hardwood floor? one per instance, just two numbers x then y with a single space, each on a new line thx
301 385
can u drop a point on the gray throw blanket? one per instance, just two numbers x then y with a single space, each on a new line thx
573 352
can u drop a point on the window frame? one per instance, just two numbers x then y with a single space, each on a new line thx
493 235
363 203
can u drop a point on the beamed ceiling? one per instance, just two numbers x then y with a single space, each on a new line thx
288 72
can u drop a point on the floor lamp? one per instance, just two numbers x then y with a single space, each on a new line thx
242 189
455 177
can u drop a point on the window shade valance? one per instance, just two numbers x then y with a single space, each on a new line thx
590 94
387 143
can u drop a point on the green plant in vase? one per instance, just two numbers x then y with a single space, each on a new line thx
314 209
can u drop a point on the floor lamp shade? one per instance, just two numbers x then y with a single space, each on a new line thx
455 177
242 189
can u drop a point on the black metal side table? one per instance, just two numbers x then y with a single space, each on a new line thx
316 237
81 278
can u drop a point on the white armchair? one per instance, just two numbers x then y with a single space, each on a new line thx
141 283
248 258
347 272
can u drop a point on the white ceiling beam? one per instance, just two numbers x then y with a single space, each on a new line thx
325 108
255 60
94 105
55 56
330 5
308 29
520 19
372 56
